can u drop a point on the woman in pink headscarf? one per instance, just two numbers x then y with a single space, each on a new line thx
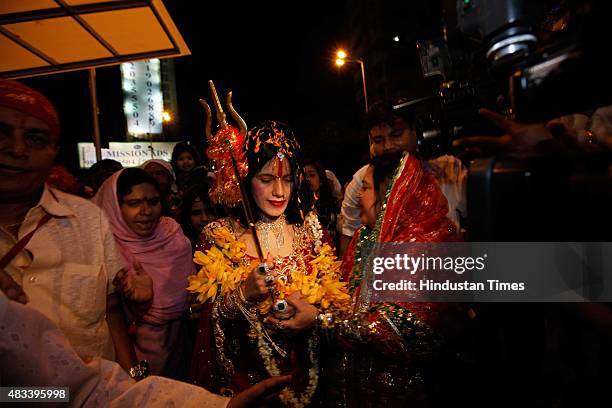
132 201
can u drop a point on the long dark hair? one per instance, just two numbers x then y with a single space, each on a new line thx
265 141
326 203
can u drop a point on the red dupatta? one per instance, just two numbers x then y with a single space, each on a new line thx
414 211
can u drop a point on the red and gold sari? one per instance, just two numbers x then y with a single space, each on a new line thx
229 355
388 353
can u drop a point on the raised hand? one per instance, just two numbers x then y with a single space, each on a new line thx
573 131
137 286
518 137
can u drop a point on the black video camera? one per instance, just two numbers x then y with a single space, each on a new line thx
531 60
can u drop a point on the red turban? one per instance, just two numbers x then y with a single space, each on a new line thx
17 96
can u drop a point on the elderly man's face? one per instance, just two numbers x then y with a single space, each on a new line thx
27 151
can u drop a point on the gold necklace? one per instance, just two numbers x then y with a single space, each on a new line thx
277 226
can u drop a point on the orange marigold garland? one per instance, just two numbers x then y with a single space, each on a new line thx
225 266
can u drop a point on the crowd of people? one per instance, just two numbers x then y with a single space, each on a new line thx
133 274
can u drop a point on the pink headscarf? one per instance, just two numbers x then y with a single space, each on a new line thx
165 255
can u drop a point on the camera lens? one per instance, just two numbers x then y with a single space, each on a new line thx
512 42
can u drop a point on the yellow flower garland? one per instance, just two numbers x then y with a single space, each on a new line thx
321 287
225 266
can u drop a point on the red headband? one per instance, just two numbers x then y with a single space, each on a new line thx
17 96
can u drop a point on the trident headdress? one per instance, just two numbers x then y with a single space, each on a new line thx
226 152
226 144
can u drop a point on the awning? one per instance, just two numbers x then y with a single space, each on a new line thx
50 36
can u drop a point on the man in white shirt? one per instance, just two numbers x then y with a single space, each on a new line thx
389 132
66 268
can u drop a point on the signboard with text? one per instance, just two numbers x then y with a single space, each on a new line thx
128 154
143 102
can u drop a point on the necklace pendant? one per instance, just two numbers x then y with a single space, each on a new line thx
276 227
252 334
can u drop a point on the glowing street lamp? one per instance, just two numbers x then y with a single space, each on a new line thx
342 59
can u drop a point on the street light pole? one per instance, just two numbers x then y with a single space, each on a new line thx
363 80
365 91
341 60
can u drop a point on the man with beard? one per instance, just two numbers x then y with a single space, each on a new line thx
391 133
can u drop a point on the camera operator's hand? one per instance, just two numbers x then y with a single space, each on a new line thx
574 133
518 137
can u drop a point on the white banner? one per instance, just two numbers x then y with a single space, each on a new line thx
128 154
143 105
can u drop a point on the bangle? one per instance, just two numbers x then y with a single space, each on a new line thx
324 321
228 307
140 370
325 327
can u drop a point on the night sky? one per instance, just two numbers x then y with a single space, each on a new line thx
278 60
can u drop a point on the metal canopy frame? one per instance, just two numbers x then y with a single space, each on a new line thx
76 13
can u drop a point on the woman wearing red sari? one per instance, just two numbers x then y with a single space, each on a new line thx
409 338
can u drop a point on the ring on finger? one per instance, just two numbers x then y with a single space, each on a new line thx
269 279
280 305
263 269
